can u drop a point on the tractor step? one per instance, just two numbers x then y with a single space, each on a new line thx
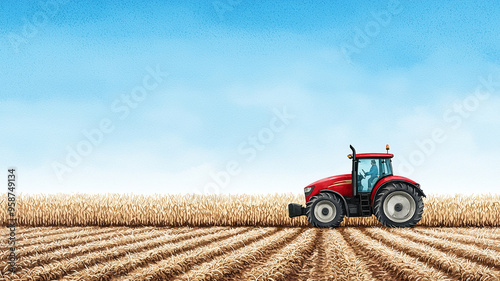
365 204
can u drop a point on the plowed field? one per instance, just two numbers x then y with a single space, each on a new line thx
254 253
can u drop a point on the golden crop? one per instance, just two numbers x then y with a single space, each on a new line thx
222 210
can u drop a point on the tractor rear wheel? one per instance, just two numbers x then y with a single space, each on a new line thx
398 205
325 210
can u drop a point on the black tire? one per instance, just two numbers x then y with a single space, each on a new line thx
398 205
325 210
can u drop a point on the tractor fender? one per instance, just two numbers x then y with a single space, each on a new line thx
340 196
416 186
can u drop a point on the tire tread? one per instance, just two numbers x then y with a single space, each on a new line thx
378 205
338 205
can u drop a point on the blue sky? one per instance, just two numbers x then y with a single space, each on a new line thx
346 72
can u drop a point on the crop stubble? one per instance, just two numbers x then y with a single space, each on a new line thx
259 253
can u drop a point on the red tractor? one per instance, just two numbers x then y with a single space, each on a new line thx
395 201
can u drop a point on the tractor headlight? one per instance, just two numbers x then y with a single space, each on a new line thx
308 190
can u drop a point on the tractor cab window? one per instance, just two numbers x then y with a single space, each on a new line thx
385 167
370 171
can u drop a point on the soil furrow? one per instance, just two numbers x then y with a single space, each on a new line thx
451 264
485 257
138 260
58 269
231 264
313 266
255 253
261 260
487 232
178 263
484 243
53 231
48 244
95 246
374 267
284 264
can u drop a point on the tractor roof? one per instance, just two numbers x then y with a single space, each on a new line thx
374 155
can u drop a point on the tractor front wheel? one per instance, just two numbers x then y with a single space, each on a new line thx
398 205
325 210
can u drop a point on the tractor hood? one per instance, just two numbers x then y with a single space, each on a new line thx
341 184
331 180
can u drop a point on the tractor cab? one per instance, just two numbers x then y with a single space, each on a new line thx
369 169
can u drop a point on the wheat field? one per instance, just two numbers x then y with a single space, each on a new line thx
222 210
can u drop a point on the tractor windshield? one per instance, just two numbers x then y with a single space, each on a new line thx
370 171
